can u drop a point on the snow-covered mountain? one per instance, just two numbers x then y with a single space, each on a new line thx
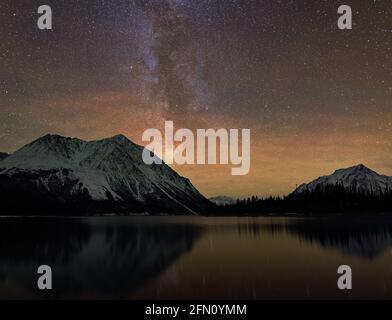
358 177
222 200
56 173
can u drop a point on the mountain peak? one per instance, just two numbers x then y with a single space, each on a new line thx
358 177
362 168
109 171
119 137
54 138
359 168
51 136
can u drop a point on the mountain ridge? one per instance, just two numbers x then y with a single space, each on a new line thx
358 178
101 174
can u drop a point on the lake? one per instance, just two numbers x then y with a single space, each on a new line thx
195 257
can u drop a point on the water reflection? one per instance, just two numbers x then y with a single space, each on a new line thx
365 238
197 258
32 239
90 259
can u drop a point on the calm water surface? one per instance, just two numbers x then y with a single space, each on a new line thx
195 258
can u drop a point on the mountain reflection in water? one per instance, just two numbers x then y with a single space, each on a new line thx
97 259
366 238
194 257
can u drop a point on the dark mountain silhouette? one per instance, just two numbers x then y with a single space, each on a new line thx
58 175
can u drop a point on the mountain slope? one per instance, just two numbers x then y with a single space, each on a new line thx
3 155
358 178
54 173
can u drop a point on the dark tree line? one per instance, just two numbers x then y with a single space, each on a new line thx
329 199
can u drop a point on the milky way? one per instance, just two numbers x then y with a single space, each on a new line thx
315 97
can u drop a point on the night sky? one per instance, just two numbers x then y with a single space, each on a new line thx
315 98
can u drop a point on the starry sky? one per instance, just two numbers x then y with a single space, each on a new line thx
315 98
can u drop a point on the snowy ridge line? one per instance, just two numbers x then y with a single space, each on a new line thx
359 178
104 170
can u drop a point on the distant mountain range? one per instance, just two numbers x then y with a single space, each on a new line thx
353 190
223 200
57 175
358 178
